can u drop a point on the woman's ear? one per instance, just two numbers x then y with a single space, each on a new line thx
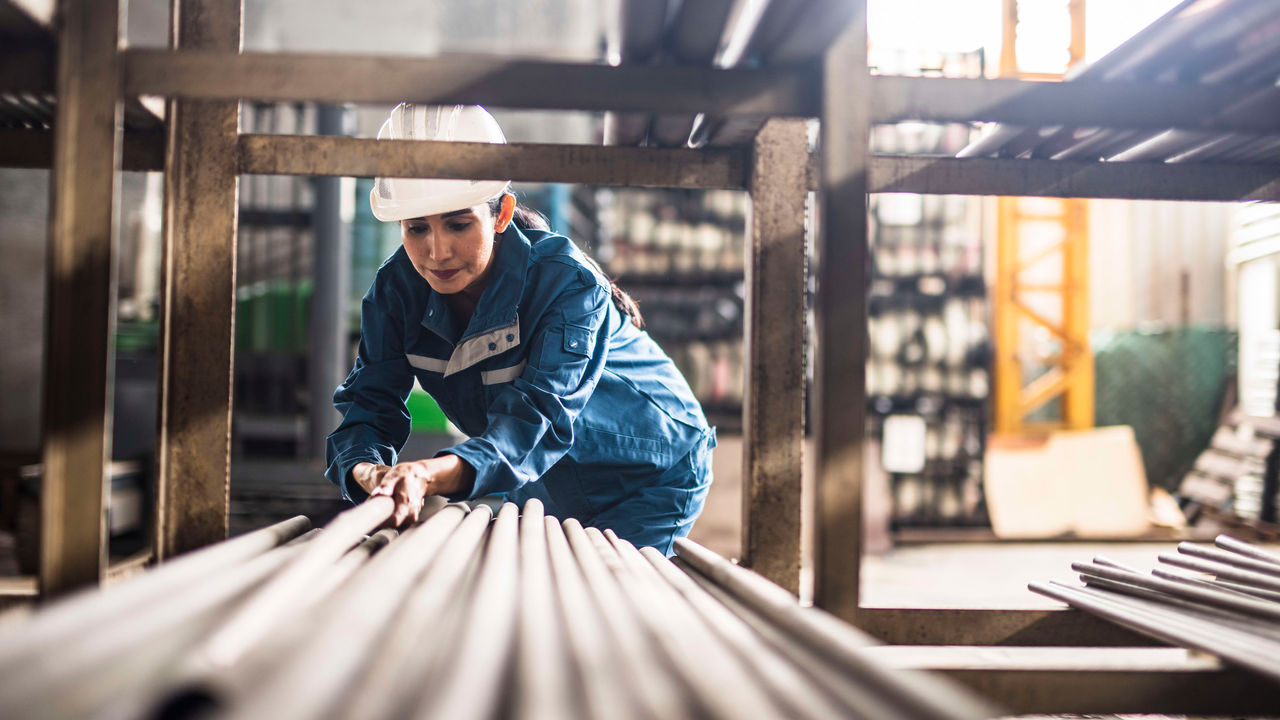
505 213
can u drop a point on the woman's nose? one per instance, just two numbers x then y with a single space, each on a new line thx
434 249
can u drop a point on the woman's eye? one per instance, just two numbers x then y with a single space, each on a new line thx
417 229
458 226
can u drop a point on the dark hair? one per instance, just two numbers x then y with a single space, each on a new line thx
530 219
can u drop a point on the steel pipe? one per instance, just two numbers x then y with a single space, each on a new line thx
591 642
1229 601
1224 571
71 619
1149 618
658 694
1226 542
75 676
914 696
858 699
801 695
543 688
392 678
344 632
700 657
271 603
1191 608
470 685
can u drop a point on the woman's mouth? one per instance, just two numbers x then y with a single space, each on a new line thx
444 274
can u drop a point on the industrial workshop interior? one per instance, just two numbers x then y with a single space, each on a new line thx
639 359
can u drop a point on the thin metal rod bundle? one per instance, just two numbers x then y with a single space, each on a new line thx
1154 619
1221 570
1229 601
1243 562
1238 620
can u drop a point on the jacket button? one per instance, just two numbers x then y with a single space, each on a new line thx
493 346
510 337
573 343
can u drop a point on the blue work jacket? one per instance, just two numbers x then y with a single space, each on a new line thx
562 397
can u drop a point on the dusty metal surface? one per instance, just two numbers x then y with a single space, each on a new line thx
773 401
1044 628
193 452
474 80
590 164
140 151
80 320
839 393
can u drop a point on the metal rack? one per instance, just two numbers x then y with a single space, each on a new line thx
205 75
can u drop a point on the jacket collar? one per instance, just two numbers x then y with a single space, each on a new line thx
494 326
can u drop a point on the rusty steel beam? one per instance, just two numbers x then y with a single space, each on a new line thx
193 444
80 321
27 67
840 390
773 342
489 81
140 151
587 164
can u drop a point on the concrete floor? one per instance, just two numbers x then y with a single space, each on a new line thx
933 575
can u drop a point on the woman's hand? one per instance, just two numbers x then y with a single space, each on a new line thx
368 475
409 483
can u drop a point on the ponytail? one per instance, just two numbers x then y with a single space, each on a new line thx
529 219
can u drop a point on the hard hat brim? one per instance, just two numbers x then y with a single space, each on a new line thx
435 197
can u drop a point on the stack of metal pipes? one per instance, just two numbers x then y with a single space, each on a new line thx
1232 43
1229 606
464 615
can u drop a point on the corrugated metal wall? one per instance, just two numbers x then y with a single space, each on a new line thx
1160 262
1256 243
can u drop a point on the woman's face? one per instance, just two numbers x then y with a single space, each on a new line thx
452 251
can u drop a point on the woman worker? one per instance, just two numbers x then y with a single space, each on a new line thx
528 349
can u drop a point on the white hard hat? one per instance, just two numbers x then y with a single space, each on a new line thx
395 199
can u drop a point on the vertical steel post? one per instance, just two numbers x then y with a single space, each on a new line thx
327 356
773 405
80 323
840 395
198 296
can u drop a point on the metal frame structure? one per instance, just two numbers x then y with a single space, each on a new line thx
205 75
